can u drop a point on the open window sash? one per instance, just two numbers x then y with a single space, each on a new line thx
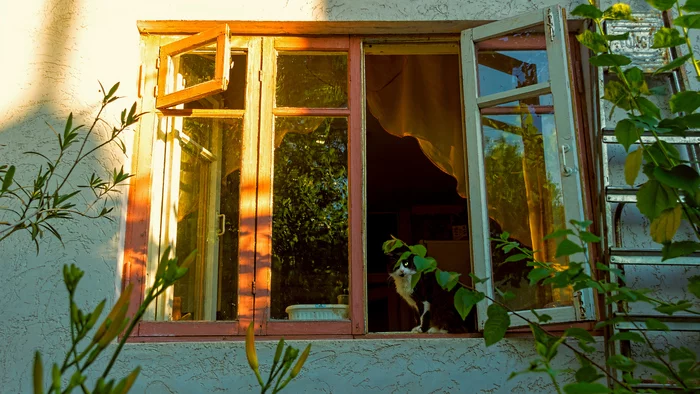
171 93
533 104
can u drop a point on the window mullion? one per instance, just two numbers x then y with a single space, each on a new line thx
263 245
478 208
249 163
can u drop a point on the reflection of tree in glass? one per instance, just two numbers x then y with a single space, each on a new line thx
518 182
310 217
319 81
197 67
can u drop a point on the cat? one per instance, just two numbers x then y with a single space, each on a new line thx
434 306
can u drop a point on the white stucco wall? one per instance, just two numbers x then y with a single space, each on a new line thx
54 52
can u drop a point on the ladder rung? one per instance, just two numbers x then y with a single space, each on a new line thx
692 137
621 194
685 325
656 386
624 256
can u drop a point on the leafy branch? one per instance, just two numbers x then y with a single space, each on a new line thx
114 325
36 206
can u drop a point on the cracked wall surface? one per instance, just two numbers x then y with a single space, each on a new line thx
54 52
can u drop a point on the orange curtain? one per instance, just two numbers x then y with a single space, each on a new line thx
418 96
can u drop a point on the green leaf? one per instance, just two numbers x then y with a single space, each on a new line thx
682 353
562 232
585 388
664 227
419 250
647 107
392 244
628 336
662 153
670 309
694 285
496 325
635 78
662 5
541 317
476 279
415 278
617 37
633 163
580 334
425 264
567 248
619 11
654 198
609 60
593 41
655 325
447 280
621 362
537 274
587 11
686 101
38 374
516 257
680 177
587 374
673 65
667 37
691 6
691 21
7 179
677 249
465 300
626 133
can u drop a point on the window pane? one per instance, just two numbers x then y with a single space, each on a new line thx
206 169
318 80
524 194
310 214
500 70
198 66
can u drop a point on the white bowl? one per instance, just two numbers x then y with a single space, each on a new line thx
317 312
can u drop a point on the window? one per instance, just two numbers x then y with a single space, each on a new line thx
271 156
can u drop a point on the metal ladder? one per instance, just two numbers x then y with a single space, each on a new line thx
631 258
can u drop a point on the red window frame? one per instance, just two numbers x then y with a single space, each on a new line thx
256 219
139 202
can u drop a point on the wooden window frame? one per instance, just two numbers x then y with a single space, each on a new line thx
140 207
220 35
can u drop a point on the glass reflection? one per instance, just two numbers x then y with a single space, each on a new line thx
317 81
310 213
524 195
206 162
501 70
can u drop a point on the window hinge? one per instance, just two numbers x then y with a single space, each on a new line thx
157 63
155 91
260 75
578 305
253 286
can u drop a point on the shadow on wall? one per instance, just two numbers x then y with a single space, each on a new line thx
32 295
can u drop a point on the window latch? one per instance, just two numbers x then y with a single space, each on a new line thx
568 171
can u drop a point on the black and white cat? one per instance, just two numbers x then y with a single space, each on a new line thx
433 305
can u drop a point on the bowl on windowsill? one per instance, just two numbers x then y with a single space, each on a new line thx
317 312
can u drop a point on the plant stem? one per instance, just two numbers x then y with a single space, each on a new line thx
687 42
573 349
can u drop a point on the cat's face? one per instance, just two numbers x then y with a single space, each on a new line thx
405 268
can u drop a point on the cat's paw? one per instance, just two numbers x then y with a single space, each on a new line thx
435 330
417 330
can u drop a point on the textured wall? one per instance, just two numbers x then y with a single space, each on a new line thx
54 51
359 366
